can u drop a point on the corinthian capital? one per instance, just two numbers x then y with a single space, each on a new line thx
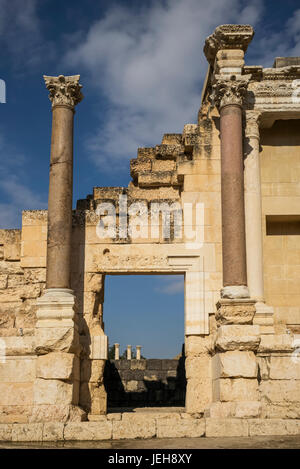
229 90
252 124
64 91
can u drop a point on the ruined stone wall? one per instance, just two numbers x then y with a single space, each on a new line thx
144 383
280 174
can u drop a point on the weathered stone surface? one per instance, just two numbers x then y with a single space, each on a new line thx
27 432
235 364
247 409
281 410
54 392
197 345
58 365
226 427
198 367
237 337
91 370
172 428
17 371
239 389
274 427
5 432
15 413
235 312
16 394
198 395
56 339
284 368
53 431
15 346
284 391
49 413
134 426
88 431
276 343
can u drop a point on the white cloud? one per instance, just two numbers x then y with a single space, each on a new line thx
21 36
19 195
149 66
171 285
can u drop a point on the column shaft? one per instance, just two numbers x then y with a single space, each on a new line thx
254 243
232 193
60 199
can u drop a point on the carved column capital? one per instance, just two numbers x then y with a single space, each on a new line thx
229 90
64 91
252 124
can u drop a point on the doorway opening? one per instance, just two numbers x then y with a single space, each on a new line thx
146 311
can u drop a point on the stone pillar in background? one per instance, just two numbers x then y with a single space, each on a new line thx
56 388
128 352
229 92
253 219
138 352
117 351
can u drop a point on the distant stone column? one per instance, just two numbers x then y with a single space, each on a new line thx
138 352
228 93
64 94
117 351
128 352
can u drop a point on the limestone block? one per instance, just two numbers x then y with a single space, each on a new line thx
7 318
198 367
53 431
14 280
16 370
3 281
15 413
56 339
274 427
247 409
99 347
15 346
91 370
239 389
284 368
198 394
27 432
48 391
99 400
220 410
85 431
235 364
135 426
283 391
235 312
235 337
197 345
276 343
185 428
58 365
217 427
16 394
281 410
49 413
5 432
35 275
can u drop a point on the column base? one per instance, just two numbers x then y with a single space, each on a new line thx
235 292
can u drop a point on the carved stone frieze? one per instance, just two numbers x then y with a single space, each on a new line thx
252 124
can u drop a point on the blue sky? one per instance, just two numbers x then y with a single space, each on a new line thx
142 67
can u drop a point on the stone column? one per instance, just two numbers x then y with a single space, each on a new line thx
253 219
229 92
138 352
56 388
128 352
253 207
117 351
64 94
